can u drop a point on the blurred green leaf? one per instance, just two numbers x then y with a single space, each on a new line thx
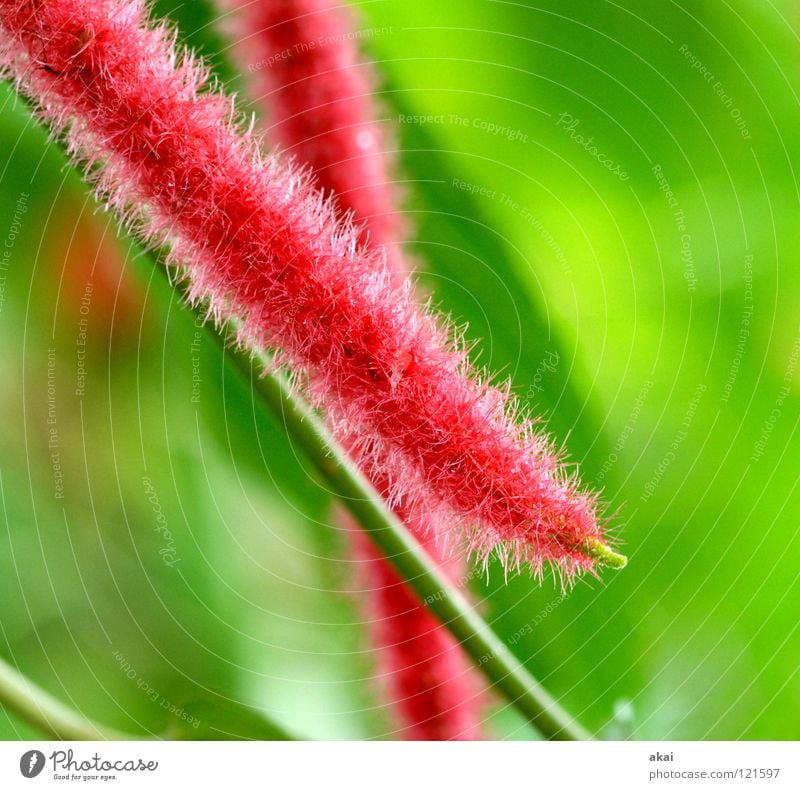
216 719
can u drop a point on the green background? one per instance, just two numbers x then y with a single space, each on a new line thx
678 397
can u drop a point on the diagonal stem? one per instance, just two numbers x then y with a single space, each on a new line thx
48 714
490 654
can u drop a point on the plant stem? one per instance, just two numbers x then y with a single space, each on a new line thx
48 714
491 655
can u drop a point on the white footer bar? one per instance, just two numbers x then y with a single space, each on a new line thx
402 766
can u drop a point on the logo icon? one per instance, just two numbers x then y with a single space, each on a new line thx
31 763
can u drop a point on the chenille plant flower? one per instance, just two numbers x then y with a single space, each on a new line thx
432 686
259 244
305 70
317 93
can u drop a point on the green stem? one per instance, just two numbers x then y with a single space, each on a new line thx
392 538
45 712
48 714
492 657
490 654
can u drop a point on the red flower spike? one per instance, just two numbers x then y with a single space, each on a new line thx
317 93
259 244
424 670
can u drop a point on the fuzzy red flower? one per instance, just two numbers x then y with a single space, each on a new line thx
318 95
317 92
258 243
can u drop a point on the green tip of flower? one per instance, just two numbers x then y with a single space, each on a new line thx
604 555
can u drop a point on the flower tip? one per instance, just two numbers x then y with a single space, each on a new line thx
604 555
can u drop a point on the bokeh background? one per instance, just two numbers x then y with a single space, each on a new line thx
607 195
